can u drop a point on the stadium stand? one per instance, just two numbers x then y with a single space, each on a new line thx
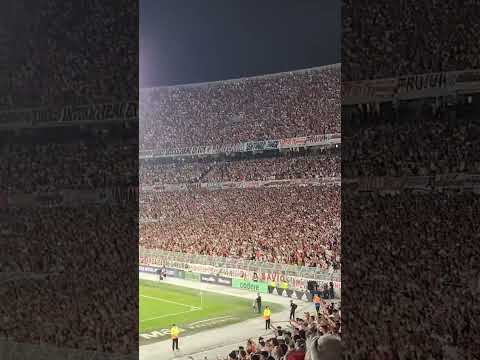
436 330
50 161
244 223
400 38
48 173
405 192
261 108
247 169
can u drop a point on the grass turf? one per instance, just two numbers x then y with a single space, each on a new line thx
162 304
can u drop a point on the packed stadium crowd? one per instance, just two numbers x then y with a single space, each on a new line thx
63 278
248 168
390 39
244 223
269 107
411 226
32 168
313 337
56 294
69 158
292 225
57 62
61 296
415 144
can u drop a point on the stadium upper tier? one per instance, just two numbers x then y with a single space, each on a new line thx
410 37
284 105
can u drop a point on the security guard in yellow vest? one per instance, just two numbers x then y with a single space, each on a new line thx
174 332
267 313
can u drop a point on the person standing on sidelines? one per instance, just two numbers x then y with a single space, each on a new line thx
293 307
259 303
317 301
174 332
267 313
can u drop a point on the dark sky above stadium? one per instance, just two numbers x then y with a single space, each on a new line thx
188 41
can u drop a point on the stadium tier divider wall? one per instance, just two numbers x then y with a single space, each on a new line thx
282 288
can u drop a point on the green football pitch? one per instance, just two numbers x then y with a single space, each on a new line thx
192 310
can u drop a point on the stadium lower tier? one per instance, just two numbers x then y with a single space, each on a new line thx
294 225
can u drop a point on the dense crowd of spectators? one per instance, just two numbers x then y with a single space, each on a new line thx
69 263
289 166
45 168
313 337
415 143
291 225
97 160
270 107
57 56
429 312
71 291
389 39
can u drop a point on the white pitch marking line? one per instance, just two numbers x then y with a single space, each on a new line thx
171 302
167 315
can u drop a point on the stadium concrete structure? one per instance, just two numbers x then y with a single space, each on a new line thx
239 195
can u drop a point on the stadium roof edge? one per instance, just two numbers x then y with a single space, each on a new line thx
226 81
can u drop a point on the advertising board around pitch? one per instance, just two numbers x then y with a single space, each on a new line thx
255 286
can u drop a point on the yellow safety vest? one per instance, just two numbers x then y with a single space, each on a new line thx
267 313
174 331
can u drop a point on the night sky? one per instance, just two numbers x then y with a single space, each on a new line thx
186 41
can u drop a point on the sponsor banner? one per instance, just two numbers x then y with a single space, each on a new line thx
262 145
148 269
153 270
255 286
206 278
215 279
192 276
180 274
221 280
171 272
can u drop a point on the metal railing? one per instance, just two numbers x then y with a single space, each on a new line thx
168 257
